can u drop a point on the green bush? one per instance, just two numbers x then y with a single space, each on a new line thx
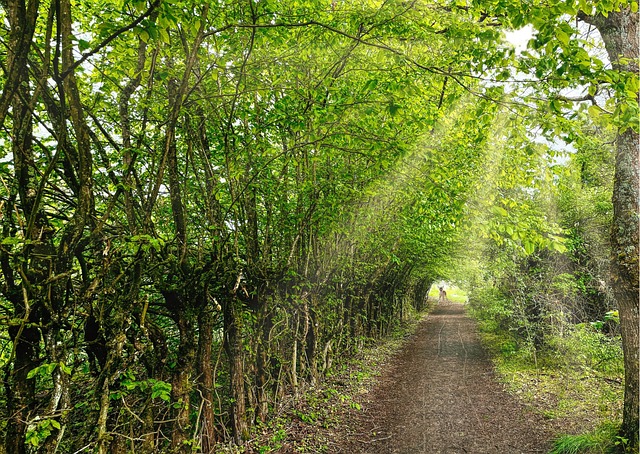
492 309
586 346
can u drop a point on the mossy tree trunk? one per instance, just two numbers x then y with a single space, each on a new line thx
619 31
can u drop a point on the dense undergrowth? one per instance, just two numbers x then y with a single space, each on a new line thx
549 316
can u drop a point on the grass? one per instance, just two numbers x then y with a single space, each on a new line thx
603 439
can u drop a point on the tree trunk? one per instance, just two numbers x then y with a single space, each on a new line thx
311 344
22 22
25 298
625 273
619 31
20 390
263 360
235 352
206 380
180 307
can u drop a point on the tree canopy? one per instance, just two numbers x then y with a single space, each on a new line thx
204 204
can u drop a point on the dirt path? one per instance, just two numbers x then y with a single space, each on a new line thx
440 395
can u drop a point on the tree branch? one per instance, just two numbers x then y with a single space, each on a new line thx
110 38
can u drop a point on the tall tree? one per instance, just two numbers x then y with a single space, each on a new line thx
619 30
557 59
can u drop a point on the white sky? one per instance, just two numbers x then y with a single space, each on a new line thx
520 38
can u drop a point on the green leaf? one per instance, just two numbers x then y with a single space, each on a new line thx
501 211
529 247
83 45
562 37
584 6
162 390
64 368
11 240
393 108
42 370
370 85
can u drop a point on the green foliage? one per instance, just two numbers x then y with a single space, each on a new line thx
40 431
275 443
589 348
227 197
45 370
492 309
159 389
577 376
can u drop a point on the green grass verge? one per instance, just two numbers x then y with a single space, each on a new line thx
575 380
603 439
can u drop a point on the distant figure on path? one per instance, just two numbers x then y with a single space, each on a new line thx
443 295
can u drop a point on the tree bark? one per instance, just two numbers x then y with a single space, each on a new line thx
234 348
181 307
625 273
263 360
22 22
206 380
619 31
20 390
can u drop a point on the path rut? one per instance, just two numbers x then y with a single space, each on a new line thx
440 395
